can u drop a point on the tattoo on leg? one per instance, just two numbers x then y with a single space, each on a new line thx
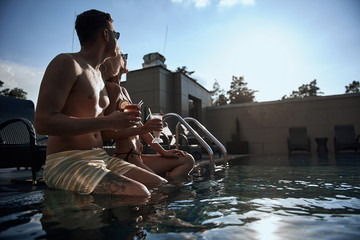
111 184
123 186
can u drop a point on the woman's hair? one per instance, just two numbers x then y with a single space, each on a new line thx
111 67
89 23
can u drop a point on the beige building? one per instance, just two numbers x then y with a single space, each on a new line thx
265 126
161 89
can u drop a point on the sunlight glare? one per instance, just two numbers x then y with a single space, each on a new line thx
267 228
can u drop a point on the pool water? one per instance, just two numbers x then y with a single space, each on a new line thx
298 197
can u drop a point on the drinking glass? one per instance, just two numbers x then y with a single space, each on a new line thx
132 107
157 138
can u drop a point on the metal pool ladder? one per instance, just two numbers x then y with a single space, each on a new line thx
184 122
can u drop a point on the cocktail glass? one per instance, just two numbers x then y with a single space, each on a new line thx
157 138
132 107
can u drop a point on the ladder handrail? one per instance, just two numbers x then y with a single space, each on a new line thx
207 133
197 136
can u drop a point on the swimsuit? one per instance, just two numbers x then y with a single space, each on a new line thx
131 152
81 170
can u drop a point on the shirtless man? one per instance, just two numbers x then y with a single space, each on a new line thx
69 110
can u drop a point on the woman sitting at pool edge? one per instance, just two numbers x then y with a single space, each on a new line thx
171 163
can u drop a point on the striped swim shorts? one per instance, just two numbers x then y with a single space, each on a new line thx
81 170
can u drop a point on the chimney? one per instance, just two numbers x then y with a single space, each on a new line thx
153 59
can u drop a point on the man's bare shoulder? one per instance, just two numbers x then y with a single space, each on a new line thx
67 62
65 58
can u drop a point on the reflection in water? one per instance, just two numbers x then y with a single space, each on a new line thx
74 216
347 159
300 159
314 197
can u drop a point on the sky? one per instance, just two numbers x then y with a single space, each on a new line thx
277 45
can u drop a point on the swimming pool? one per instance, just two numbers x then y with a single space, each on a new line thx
298 197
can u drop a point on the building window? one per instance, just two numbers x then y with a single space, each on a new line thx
194 107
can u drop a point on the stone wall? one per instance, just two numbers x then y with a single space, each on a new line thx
266 125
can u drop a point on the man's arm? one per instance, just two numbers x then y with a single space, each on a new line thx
150 125
58 81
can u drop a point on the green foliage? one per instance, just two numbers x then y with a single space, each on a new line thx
15 92
353 87
239 93
184 70
306 90
218 95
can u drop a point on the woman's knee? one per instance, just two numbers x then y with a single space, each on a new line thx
189 160
141 175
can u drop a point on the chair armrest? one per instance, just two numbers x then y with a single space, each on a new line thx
29 126
183 136
41 141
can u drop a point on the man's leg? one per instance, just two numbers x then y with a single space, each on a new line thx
114 184
174 167
133 182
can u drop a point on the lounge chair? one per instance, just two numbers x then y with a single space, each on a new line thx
345 138
298 140
20 146
169 139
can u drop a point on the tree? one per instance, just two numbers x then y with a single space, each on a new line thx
239 93
183 70
305 90
218 95
353 87
15 92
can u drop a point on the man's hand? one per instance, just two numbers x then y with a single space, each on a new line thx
122 120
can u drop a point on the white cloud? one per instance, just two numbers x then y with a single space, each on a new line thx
231 3
201 3
222 3
198 3
15 75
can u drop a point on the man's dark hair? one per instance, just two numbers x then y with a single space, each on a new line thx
89 23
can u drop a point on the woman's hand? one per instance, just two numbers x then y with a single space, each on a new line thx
173 153
153 125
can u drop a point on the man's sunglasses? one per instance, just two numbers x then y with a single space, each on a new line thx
117 34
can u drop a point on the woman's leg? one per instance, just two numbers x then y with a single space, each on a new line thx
130 147
134 159
173 167
143 176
